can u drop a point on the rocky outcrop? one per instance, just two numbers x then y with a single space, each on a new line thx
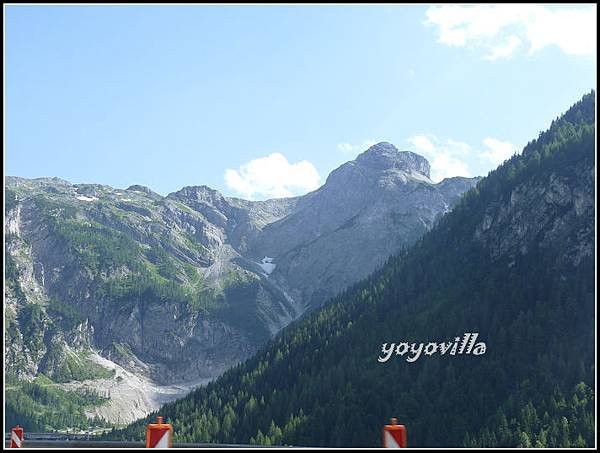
182 287
528 215
367 210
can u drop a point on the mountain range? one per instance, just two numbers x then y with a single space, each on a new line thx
513 262
140 297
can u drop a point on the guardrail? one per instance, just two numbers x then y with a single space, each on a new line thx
29 443
159 435
59 440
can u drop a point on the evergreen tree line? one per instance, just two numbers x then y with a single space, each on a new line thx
41 406
318 382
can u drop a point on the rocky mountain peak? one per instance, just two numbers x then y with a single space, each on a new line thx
203 194
385 156
144 189
53 180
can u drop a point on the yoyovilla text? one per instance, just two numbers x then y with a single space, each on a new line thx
465 345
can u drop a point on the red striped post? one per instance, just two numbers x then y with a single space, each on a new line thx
16 437
159 434
394 435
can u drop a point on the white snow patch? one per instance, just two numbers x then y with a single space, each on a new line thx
267 265
84 198
126 199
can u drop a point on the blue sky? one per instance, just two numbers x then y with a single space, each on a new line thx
263 101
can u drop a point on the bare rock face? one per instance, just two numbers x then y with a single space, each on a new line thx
529 216
367 210
384 157
182 287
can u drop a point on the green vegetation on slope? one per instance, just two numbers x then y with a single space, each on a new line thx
153 276
319 382
557 422
10 200
41 406
99 248
11 275
33 322
78 367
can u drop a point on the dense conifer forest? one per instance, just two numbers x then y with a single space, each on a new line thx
530 298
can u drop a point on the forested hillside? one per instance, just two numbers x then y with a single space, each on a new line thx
42 406
514 262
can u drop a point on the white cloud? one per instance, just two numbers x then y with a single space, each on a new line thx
422 143
348 148
504 51
498 151
577 35
500 29
272 177
446 157
449 157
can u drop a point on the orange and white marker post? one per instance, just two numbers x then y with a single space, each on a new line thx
394 435
16 437
159 434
